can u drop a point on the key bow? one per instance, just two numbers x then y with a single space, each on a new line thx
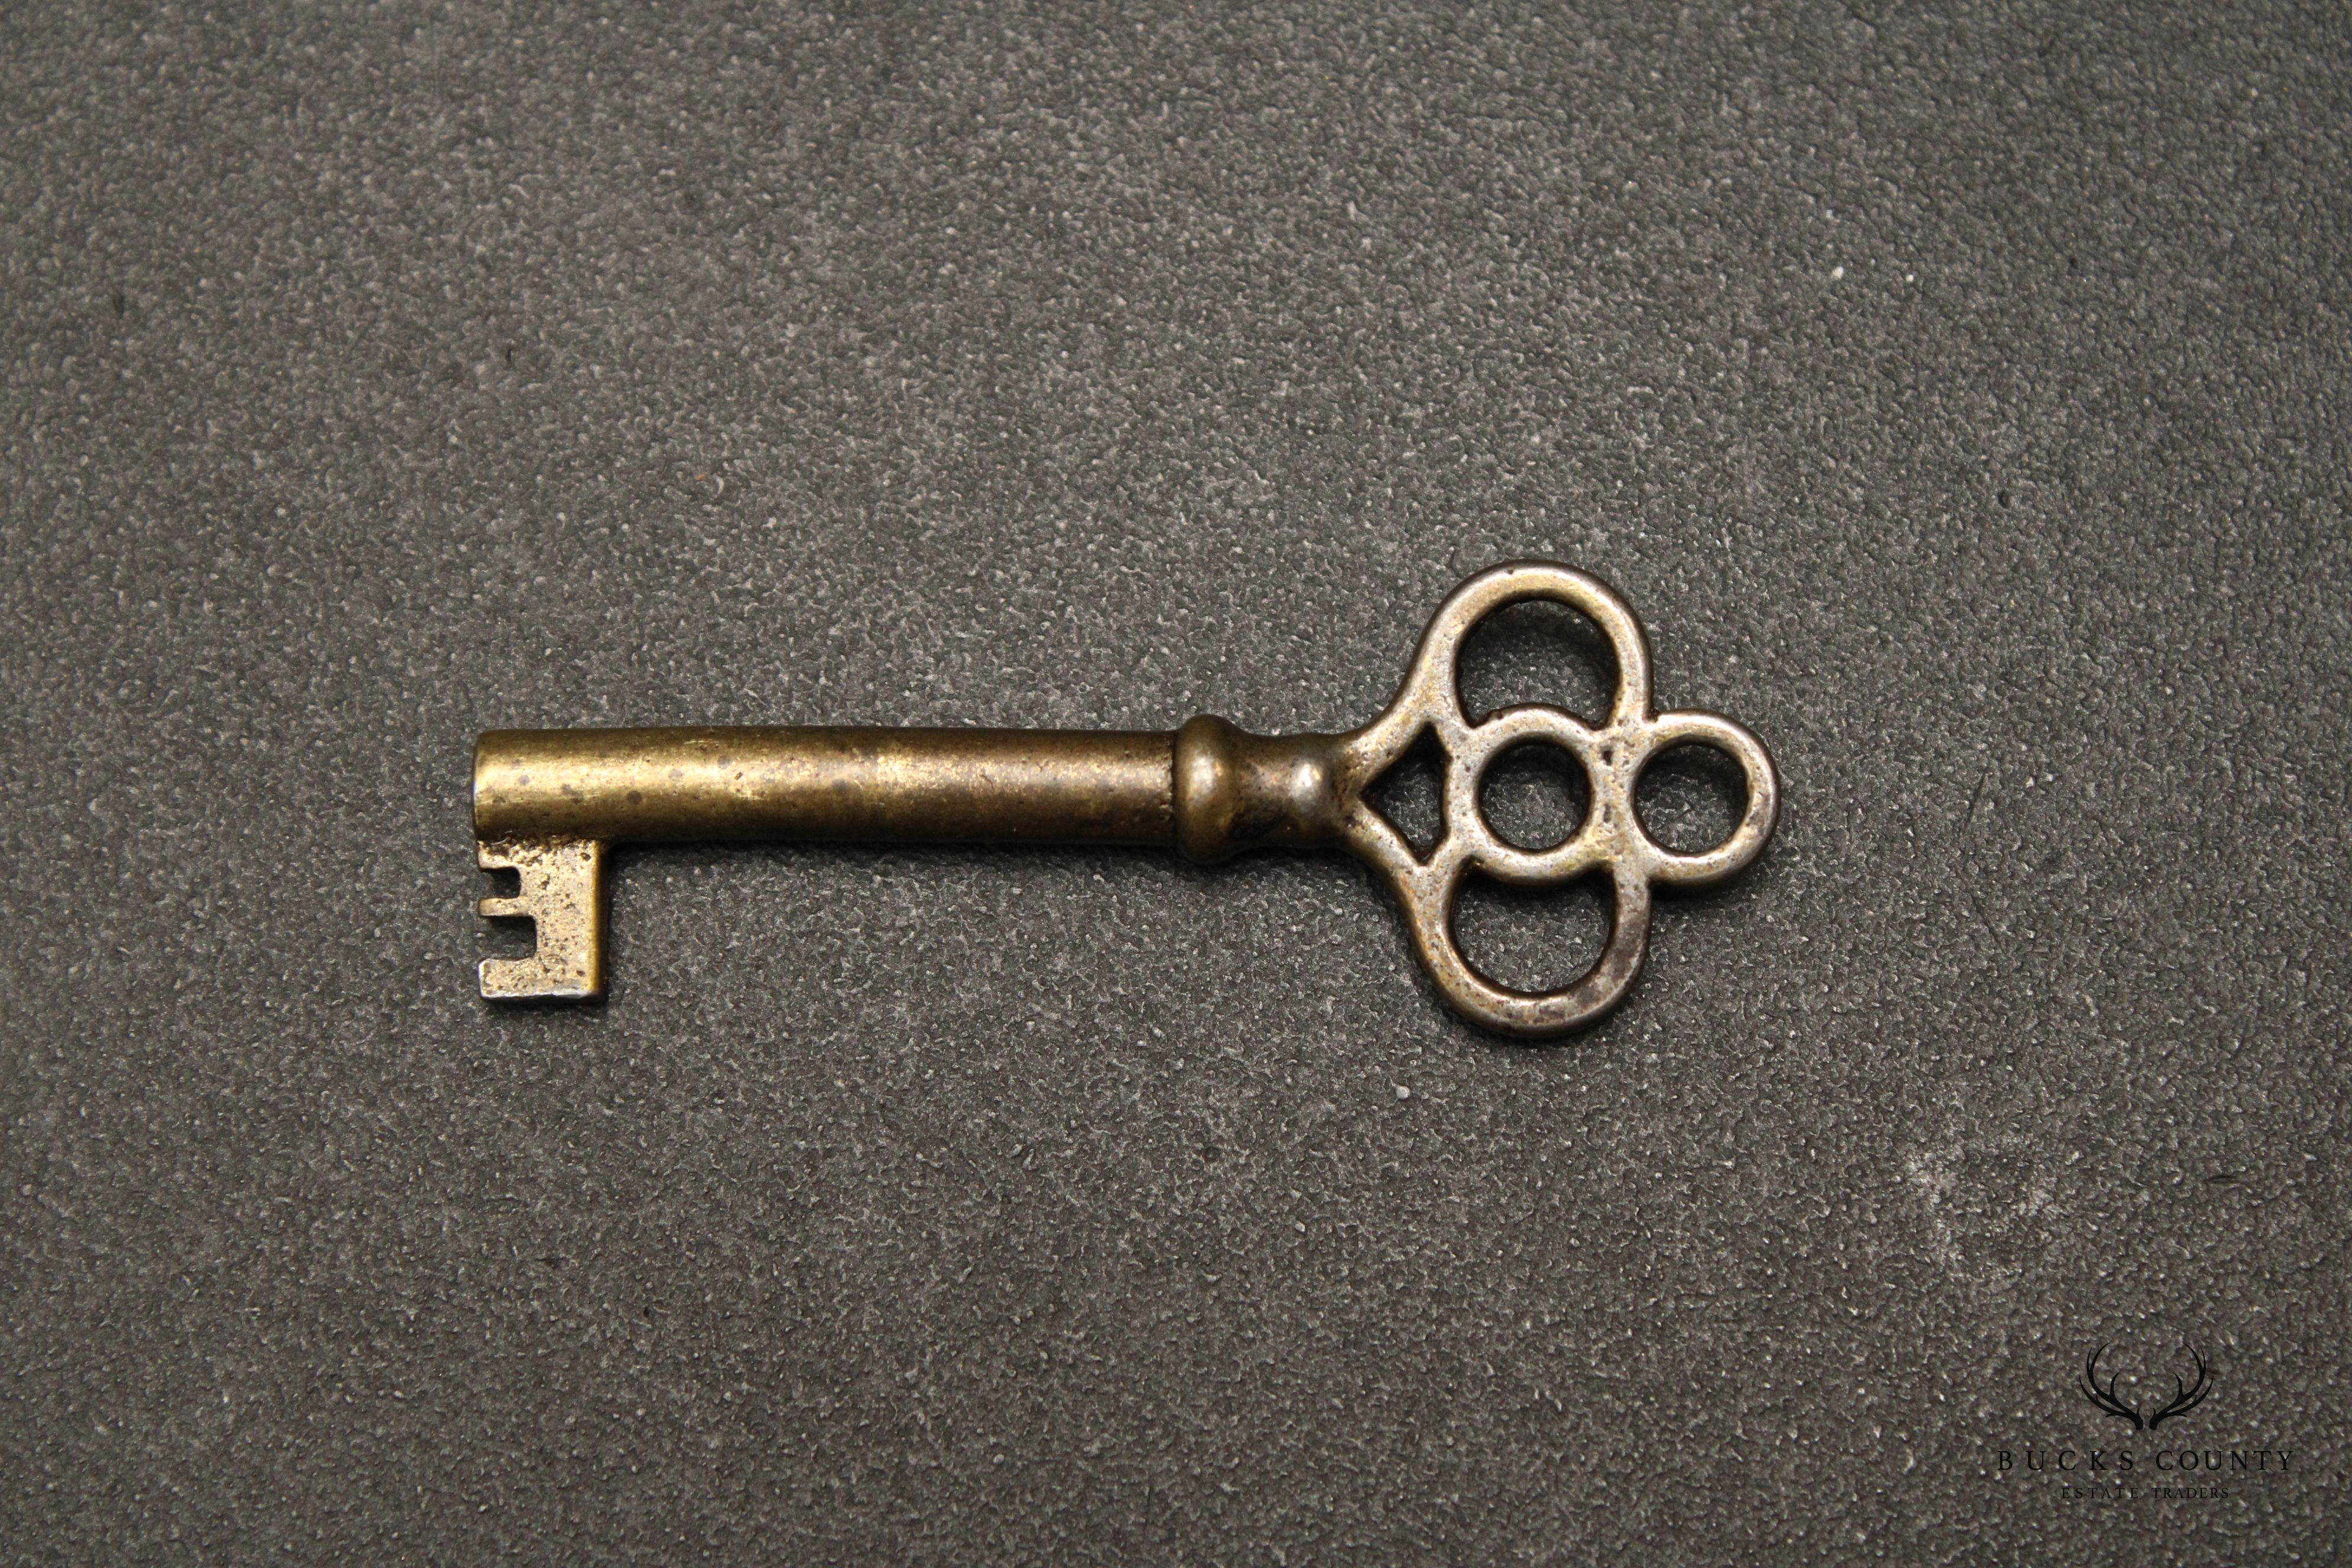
1611 839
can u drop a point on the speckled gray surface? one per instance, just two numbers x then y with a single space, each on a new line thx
1960 397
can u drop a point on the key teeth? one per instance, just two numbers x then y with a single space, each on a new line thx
561 894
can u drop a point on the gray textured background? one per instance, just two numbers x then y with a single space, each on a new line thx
1960 397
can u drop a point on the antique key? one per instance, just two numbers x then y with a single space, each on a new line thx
549 802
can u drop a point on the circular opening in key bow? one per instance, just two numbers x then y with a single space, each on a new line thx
1690 797
1535 796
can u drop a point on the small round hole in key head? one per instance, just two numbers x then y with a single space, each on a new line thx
1690 797
1535 796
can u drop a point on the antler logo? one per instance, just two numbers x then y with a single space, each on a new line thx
2186 1396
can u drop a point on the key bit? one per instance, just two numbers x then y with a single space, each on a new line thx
548 803
562 894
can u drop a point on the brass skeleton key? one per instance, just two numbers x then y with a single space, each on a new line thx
548 803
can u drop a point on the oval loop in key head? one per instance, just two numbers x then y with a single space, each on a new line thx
1429 902
1430 695
1611 839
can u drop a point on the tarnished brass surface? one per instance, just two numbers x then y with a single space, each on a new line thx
878 786
561 890
548 802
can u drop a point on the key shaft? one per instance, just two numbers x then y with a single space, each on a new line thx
549 802
824 783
